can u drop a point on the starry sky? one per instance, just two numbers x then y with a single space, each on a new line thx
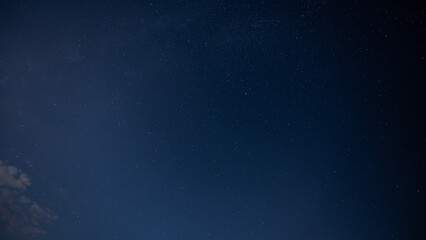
222 120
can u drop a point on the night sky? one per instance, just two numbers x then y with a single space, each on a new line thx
222 120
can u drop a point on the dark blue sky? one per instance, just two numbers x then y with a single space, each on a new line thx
212 120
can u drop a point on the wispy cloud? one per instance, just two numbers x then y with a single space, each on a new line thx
19 212
12 177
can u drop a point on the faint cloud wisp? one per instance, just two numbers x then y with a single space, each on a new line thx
19 212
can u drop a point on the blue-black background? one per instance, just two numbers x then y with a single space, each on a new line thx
215 119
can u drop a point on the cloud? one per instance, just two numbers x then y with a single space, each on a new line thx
11 177
19 212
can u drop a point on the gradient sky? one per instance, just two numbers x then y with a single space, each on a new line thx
210 119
